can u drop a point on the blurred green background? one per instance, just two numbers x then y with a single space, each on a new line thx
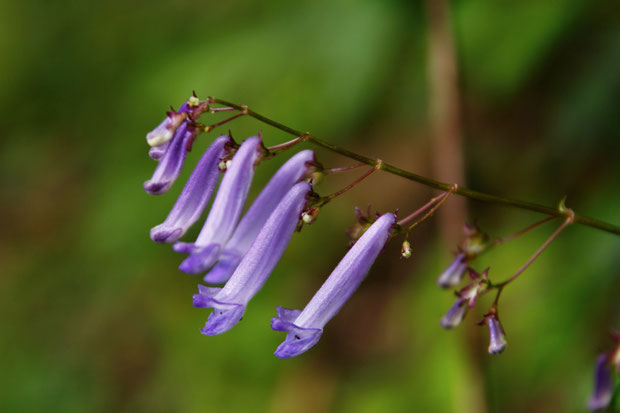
96 317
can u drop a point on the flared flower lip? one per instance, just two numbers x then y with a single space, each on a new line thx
304 327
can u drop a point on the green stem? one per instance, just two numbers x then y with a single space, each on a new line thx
469 193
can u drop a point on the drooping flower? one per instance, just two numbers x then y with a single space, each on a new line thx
282 181
467 297
195 195
603 384
453 274
225 212
163 133
455 315
171 162
497 337
474 243
229 303
304 328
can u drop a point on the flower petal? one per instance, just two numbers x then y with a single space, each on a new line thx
603 385
258 263
170 165
228 203
195 195
454 273
254 219
305 331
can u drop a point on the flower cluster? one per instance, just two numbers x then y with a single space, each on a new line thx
474 243
242 252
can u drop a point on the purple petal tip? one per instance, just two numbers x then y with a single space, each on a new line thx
298 340
200 259
166 236
157 188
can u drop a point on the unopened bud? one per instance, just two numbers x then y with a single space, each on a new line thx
316 177
405 251
309 216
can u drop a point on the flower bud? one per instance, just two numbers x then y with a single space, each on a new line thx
316 177
497 337
309 216
405 251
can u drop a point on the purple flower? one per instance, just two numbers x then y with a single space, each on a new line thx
453 274
229 302
163 133
225 212
603 384
304 328
171 163
195 194
253 220
467 297
497 337
455 315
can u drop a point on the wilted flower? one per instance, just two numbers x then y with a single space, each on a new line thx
229 302
282 181
225 211
304 328
195 195
603 384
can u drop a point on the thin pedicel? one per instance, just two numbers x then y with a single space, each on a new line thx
462 191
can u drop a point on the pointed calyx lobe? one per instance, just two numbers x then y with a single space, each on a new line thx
304 328
229 302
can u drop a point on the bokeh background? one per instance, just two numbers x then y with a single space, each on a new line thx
95 317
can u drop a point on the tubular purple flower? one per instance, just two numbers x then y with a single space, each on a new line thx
163 133
172 161
497 337
603 385
254 219
455 315
225 211
229 303
454 273
195 194
304 328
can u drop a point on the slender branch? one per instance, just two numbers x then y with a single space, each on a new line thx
462 191
440 200
569 220
517 234
343 169
421 209
352 184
